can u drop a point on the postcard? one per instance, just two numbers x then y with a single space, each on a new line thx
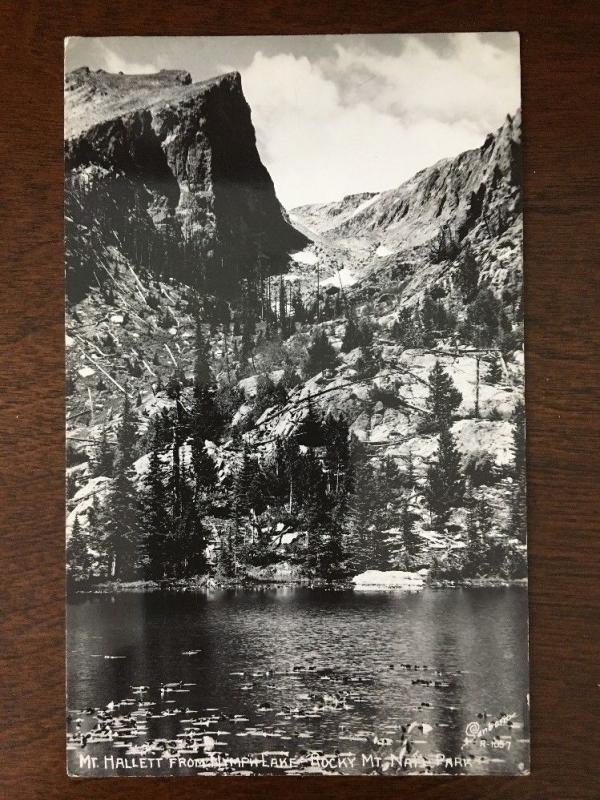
296 480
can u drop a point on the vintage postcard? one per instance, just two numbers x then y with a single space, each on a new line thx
296 518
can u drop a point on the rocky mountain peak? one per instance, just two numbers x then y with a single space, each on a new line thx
174 163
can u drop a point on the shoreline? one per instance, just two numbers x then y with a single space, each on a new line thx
210 583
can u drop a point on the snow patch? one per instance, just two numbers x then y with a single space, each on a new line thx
344 276
383 251
305 257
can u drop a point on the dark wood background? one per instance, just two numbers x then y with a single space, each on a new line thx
561 102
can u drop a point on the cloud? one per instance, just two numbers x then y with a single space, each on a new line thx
358 119
337 115
116 63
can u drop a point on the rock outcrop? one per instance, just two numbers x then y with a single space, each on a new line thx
175 164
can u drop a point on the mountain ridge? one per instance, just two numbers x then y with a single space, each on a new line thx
180 163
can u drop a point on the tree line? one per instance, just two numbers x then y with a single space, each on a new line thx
186 514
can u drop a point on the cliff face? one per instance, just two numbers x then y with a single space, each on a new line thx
174 165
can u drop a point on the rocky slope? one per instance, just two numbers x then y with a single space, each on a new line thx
169 210
474 198
178 163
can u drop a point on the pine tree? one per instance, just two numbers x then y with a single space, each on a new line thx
410 480
127 434
337 450
310 430
78 557
410 540
444 398
406 329
474 544
104 456
190 541
122 535
227 558
317 515
519 441
202 373
320 356
362 505
368 363
241 486
292 465
445 483
156 514
518 509
290 378
468 274
248 332
352 337
391 479
518 505
268 394
494 372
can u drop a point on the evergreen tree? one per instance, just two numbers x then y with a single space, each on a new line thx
352 337
368 363
518 503
290 378
519 441
292 465
436 320
474 551
248 332
104 456
485 318
317 515
494 372
362 506
227 558
127 434
443 399
78 557
190 541
410 540
121 528
409 479
445 484
156 514
406 329
337 450
202 373
268 394
310 430
468 274
320 356
242 486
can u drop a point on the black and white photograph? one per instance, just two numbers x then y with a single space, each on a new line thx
295 422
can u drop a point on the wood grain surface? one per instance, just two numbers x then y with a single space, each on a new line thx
561 122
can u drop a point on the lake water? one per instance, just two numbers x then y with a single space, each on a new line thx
297 680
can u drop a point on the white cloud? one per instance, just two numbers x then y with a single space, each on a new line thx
362 120
115 63
344 114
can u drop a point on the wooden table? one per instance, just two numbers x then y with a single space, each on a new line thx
561 102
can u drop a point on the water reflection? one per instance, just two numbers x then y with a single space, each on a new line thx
299 672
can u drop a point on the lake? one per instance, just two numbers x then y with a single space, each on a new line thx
295 680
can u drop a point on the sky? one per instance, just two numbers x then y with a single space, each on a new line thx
337 115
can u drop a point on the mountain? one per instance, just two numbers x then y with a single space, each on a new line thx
268 378
473 198
167 171
464 192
